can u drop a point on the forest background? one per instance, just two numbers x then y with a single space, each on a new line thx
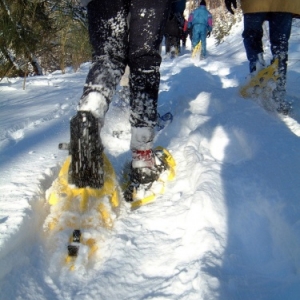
38 37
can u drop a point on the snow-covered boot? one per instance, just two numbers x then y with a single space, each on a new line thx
143 165
260 64
86 149
148 174
146 167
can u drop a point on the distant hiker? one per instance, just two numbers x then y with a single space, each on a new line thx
200 21
279 14
174 27
173 33
116 45
190 26
185 33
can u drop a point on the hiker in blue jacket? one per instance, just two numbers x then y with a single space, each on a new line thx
200 21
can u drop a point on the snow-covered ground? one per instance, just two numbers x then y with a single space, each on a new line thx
227 227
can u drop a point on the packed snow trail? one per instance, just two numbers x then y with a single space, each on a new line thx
228 227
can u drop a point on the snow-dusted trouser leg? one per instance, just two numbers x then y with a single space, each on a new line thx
147 21
252 35
141 145
203 34
144 86
141 138
108 32
280 30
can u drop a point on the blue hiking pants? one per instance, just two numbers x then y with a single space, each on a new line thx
199 34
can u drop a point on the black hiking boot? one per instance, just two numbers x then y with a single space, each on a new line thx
85 148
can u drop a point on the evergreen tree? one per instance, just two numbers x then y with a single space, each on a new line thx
37 35
22 24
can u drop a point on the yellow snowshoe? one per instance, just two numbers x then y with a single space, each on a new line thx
84 199
261 85
81 213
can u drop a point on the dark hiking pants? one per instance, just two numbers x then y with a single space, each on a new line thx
115 44
279 33
172 41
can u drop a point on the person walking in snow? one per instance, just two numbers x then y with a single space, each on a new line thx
174 27
200 22
279 14
185 33
172 33
115 45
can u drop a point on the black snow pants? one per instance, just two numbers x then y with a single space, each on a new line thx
127 32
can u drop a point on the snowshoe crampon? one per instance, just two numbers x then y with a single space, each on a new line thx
141 194
262 83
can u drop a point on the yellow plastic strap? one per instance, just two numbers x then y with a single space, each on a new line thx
136 204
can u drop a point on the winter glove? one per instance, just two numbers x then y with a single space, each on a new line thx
208 34
228 5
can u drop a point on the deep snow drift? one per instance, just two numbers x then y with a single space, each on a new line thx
227 227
